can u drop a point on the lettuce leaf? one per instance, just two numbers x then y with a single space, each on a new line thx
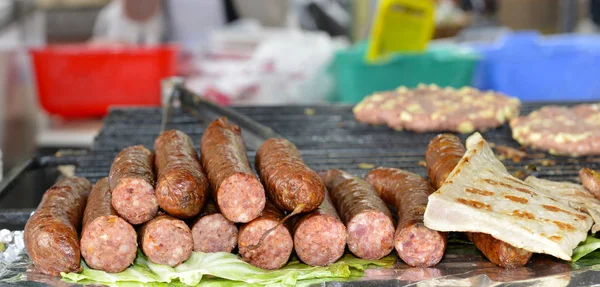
590 244
224 269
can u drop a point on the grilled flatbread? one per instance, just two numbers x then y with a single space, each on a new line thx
480 195
573 194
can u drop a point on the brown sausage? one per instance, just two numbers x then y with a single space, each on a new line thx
108 242
131 180
287 180
590 179
407 192
236 189
212 232
181 186
368 220
51 233
320 236
442 155
166 240
275 250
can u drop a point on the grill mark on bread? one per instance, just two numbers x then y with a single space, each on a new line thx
516 199
499 183
564 226
555 238
522 214
556 209
474 203
479 191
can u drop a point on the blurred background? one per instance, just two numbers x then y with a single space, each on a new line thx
64 62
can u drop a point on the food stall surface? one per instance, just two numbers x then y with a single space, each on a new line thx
328 137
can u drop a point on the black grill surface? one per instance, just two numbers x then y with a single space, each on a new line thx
327 137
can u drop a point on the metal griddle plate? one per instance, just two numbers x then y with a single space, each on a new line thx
329 137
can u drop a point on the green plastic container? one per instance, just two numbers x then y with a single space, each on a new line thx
446 65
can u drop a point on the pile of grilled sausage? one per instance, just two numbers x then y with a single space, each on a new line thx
171 202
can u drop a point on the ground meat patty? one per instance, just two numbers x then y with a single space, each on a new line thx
443 154
368 220
212 232
288 181
320 236
407 192
275 250
108 242
51 233
369 109
181 186
131 180
236 189
166 240
561 130
590 179
429 108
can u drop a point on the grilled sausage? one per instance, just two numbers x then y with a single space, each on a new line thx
181 186
108 242
166 240
407 192
236 189
212 232
442 155
368 220
51 233
319 236
287 180
131 180
590 179
274 250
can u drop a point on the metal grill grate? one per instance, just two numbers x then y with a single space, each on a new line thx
327 137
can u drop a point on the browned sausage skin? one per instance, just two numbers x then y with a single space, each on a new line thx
166 240
407 192
108 242
442 155
275 249
181 186
236 189
131 180
590 179
368 220
212 232
319 236
288 181
51 233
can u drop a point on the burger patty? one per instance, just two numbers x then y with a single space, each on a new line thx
571 131
430 108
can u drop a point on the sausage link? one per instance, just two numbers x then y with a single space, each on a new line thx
442 155
181 185
590 179
236 189
108 242
166 240
368 220
131 180
212 232
499 252
51 233
288 181
275 250
407 192
319 236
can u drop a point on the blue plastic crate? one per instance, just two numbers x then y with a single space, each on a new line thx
535 68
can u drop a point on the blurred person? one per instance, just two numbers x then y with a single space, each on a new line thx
131 22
